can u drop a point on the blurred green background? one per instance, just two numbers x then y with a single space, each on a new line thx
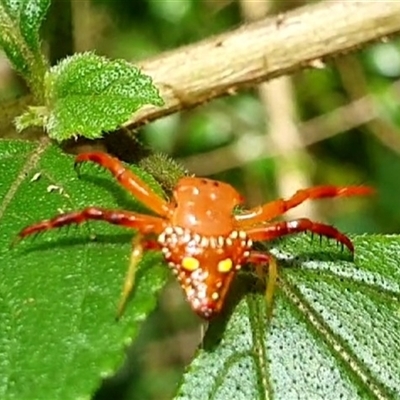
342 117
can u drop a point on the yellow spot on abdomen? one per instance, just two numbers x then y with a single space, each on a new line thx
225 265
190 263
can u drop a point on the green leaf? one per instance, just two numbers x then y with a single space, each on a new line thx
88 95
34 116
20 22
334 332
59 293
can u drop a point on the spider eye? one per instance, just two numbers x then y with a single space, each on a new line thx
190 263
225 265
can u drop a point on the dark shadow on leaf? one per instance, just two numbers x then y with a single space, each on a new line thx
126 145
316 256
289 253
243 284
81 240
121 196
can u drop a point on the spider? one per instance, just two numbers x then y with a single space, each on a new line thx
202 240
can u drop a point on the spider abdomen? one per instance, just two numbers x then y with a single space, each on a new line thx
204 265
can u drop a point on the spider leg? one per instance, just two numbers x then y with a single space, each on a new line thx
283 228
275 208
128 180
144 223
260 260
138 245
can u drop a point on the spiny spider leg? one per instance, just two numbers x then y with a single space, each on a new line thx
144 223
260 260
128 180
278 207
283 228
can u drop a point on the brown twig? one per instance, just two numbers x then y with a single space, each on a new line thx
224 64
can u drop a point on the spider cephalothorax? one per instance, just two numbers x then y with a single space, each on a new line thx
201 238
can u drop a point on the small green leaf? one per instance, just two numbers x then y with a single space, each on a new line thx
165 170
20 22
34 116
59 293
88 95
334 332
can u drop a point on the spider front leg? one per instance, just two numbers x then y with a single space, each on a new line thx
144 223
278 207
128 180
283 228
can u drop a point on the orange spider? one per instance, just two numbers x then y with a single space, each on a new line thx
201 239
